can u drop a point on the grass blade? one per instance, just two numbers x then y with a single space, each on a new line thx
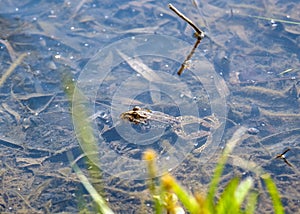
251 203
237 136
274 194
242 190
92 191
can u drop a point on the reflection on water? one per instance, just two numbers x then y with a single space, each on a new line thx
251 55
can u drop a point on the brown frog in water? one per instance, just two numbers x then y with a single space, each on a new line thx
143 116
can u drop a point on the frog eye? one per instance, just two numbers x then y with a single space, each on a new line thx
136 108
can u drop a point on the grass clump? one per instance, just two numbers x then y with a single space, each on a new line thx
237 197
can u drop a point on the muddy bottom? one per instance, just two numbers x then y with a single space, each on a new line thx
256 60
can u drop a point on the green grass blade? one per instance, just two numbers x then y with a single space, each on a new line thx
237 136
251 203
149 157
189 201
92 191
82 125
214 183
242 190
227 203
274 194
85 136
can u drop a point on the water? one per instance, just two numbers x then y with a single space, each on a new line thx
244 59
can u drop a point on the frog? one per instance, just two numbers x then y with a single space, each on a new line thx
138 115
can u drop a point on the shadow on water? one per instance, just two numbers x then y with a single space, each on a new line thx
257 58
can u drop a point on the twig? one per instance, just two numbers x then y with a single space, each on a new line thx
199 33
11 52
11 68
184 65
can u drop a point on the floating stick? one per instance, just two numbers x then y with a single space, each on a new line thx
199 33
184 65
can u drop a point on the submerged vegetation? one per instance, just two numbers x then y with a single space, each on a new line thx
257 56
168 196
239 196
